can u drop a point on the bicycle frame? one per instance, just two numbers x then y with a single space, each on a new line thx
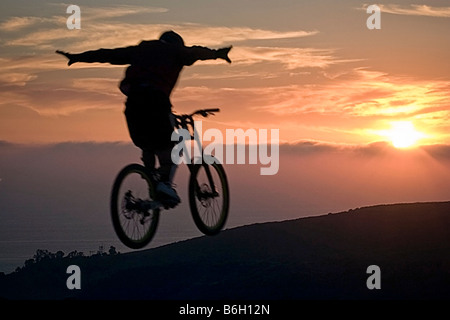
184 122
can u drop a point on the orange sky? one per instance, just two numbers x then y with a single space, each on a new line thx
311 69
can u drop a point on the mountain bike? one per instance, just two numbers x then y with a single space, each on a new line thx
135 207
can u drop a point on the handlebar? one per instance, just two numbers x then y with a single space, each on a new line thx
184 120
202 112
205 112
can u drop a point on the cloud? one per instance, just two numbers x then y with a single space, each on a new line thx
383 155
438 151
301 147
50 33
416 10
117 11
88 14
25 82
105 85
292 58
217 35
105 34
121 25
70 97
19 79
269 63
115 26
373 149
305 147
363 93
359 92
69 101
18 23
266 82
18 71
348 106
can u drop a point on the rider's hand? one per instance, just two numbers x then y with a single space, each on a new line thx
69 56
222 53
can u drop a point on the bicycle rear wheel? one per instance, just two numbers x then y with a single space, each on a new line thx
133 219
209 197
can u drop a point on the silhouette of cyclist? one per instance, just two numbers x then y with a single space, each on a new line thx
154 69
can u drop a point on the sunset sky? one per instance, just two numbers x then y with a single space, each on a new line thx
363 115
309 68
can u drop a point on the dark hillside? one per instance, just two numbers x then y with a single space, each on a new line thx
323 257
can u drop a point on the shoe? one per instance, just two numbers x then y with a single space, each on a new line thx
167 194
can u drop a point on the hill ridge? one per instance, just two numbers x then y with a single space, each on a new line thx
315 257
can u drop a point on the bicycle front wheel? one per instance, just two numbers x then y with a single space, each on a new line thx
209 197
133 218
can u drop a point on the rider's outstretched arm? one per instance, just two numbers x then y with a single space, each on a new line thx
194 53
112 56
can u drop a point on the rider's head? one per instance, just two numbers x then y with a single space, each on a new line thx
172 37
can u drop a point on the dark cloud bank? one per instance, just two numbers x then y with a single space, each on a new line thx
55 195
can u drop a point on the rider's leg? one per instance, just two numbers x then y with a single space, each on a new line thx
149 121
167 172
167 168
148 157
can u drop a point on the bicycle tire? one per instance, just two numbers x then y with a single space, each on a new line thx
205 220
125 221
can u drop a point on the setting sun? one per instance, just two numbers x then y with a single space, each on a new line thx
403 134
